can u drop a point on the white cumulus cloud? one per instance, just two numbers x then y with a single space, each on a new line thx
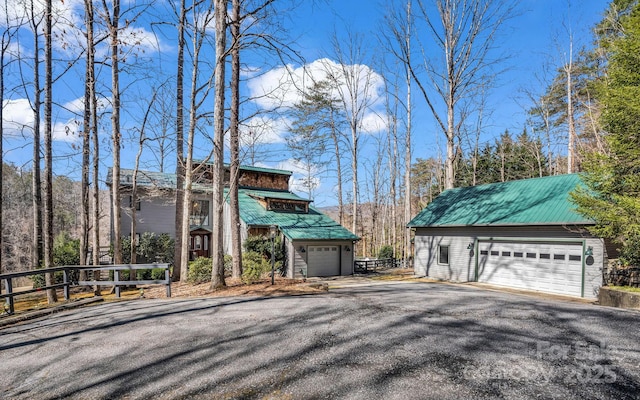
284 87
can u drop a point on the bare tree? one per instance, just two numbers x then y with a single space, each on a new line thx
465 31
133 206
178 267
354 83
234 135
217 272
396 38
111 16
35 21
199 91
48 154
10 30
86 139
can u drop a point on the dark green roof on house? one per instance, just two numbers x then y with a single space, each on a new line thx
537 201
296 226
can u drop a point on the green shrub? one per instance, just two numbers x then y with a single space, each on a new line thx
200 270
262 245
253 266
151 248
66 251
385 252
630 252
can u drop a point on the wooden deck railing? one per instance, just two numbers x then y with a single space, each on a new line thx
68 283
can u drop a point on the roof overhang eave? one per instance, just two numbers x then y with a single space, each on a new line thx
503 225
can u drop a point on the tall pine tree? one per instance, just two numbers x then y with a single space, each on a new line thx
612 196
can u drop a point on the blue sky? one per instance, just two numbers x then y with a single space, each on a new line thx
535 38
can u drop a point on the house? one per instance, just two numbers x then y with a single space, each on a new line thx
315 245
522 234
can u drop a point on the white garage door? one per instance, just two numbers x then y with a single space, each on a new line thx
323 261
547 267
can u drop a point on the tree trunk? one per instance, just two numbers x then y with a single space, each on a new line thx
407 151
571 153
217 272
178 267
96 140
36 259
236 250
52 297
86 143
336 151
113 25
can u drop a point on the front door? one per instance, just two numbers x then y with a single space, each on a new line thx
199 245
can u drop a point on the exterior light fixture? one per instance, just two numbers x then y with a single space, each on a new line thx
589 251
302 250
347 248
272 234
470 246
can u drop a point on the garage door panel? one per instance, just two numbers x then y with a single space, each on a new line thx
323 261
553 268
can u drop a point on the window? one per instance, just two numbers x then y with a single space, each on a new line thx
517 254
558 256
206 243
197 243
288 206
484 252
575 258
531 255
545 256
495 253
199 213
443 255
137 203
506 254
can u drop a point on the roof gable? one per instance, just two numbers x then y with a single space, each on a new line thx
537 201
313 225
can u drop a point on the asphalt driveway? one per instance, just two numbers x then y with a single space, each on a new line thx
391 341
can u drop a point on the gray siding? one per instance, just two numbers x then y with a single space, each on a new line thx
461 267
157 214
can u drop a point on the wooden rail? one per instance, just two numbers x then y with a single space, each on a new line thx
371 265
67 283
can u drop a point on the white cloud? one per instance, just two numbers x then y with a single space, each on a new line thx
18 120
263 130
17 117
76 106
65 131
284 87
141 40
299 179
373 122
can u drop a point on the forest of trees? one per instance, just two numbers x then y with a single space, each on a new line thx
202 104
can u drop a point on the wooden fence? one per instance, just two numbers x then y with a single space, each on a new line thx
372 265
70 271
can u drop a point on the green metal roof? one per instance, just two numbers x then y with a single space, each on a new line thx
538 201
151 179
312 226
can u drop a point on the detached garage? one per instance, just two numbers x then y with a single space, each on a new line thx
521 234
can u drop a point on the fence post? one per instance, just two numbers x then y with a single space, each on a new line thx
9 286
168 279
65 280
116 279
